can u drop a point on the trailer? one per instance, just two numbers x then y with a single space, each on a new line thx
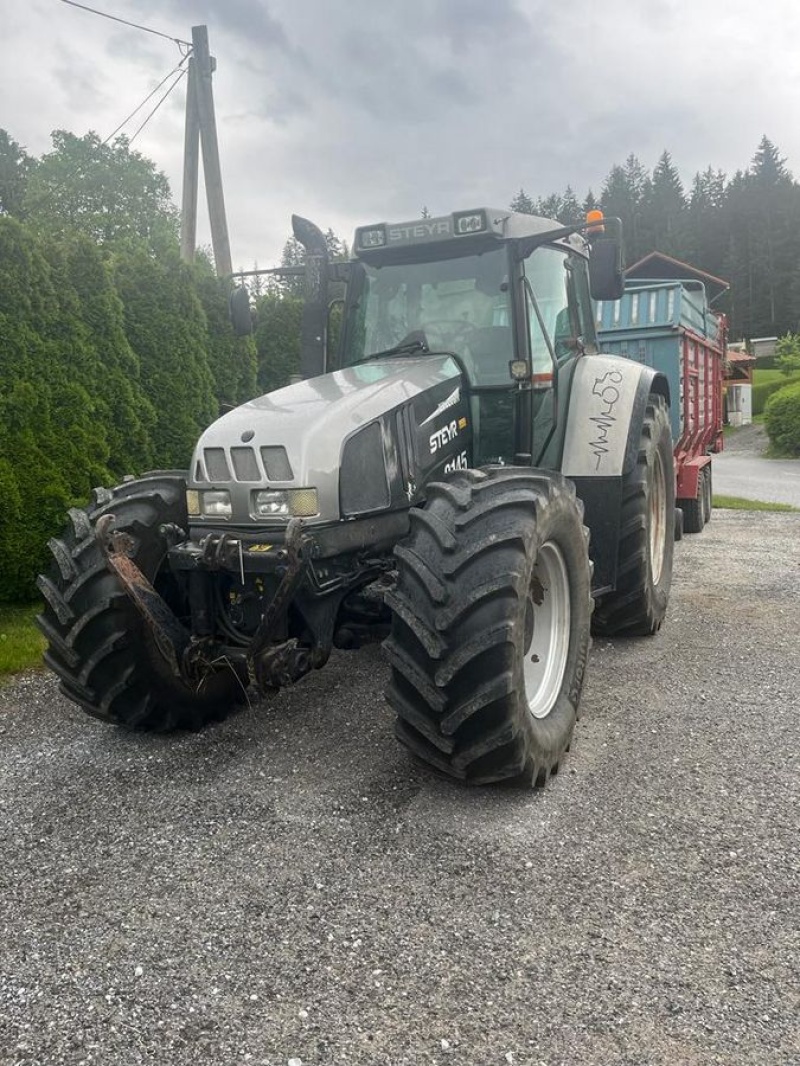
666 322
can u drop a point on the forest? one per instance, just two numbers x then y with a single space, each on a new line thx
744 228
114 354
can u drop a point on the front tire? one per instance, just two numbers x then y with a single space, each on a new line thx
490 625
99 646
638 604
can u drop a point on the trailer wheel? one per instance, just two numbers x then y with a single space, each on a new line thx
678 524
694 511
490 625
644 558
707 494
99 646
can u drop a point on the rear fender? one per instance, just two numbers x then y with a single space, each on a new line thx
607 406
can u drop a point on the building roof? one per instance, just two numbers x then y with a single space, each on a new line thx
658 266
763 347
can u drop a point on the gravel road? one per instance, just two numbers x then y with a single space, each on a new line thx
289 888
741 469
753 478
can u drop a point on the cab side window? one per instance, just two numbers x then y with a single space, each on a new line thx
547 273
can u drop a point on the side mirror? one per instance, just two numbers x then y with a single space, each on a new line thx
239 310
606 275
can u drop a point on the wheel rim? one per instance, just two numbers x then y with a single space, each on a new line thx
658 518
547 626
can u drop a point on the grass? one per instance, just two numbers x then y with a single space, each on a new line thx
21 644
762 376
736 503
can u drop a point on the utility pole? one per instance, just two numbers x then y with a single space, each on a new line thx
191 162
201 126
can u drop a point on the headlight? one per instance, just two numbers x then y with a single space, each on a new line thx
216 503
283 503
269 503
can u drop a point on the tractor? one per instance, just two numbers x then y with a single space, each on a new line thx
466 478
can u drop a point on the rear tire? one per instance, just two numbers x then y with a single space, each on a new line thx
646 540
99 646
490 625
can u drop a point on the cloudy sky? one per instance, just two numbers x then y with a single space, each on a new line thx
353 111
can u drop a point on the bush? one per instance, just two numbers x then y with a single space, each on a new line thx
782 418
763 390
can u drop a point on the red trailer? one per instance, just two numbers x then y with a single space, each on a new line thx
666 321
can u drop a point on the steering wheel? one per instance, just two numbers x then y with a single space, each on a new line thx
454 329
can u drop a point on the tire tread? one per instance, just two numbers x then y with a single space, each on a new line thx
456 697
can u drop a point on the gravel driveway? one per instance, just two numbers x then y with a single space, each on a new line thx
289 888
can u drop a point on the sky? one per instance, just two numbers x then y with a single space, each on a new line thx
357 111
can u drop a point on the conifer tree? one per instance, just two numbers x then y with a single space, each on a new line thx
277 339
550 207
571 210
618 201
705 238
523 204
53 439
232 359
115 377
166 327
663 209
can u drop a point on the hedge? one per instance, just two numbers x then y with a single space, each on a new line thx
782 418
764 389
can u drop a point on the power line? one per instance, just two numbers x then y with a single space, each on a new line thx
158 105
152 93
134 25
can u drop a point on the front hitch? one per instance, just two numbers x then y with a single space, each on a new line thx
171 636
270 665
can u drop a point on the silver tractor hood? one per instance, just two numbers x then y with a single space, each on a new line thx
292 439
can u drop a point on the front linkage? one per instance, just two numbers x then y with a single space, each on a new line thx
191 655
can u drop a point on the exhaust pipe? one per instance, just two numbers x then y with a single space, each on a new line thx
314 321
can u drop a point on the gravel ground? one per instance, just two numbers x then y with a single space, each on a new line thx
751 439
289 888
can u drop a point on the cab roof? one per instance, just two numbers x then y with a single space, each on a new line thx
481 222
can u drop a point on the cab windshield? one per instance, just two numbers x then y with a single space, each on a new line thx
460 305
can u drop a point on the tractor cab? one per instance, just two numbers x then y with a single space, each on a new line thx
507 295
